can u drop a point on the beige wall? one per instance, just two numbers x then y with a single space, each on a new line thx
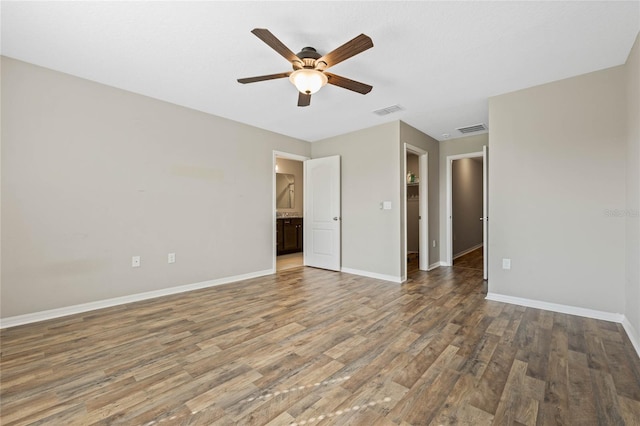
556 167
372 172
92 175
413 136
464 145
370 167
632 296
295 168
466 203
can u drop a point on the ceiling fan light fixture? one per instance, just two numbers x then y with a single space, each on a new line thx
308 81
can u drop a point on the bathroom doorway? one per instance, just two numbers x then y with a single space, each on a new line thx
288 210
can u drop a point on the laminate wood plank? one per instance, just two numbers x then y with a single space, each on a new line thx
453 411
630 410
23 408
510 399
489 388
624 375
581 398
606 398
414 405
345 346
305 343
555 407
63 413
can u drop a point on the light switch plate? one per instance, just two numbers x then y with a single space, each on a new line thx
386 205
171 258
135 262
506 263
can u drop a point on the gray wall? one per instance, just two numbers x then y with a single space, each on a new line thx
464 145
632 295
92 175
296 169
466 203
557 165
415 137
370 167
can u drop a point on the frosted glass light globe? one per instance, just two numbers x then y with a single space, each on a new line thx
308 81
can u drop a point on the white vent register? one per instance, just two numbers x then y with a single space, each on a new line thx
471 129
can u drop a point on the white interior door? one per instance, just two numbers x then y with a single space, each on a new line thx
322 213
485 212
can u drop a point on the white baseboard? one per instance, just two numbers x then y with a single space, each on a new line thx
556 307
632 333
573 310
375 275
467 251
434 266
86 307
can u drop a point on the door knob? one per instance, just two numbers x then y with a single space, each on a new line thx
336 218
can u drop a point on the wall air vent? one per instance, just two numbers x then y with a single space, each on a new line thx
388 110
471 129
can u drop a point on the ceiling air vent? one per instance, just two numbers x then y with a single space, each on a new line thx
470 129
388 110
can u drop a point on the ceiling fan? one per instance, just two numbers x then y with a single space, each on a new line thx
309 67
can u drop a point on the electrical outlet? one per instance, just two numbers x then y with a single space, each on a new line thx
135 262
171 258
506 263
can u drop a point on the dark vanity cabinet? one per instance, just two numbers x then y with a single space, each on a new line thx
289 235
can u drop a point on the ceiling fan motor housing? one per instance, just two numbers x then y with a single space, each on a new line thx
308 52
309 57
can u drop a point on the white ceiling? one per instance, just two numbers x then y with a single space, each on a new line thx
440 61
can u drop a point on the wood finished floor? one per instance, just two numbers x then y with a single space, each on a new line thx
473 260
288 261
307 346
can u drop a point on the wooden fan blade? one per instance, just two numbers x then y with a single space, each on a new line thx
347 50
273 42
304 99
348 84
263 77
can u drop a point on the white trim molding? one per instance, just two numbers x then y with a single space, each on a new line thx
434 266
632 333
467 251
107 303
556 307
375 275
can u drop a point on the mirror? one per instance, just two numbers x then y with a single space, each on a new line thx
284 191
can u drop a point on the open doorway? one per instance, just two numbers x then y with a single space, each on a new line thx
466 208
416 229
288 203
466 211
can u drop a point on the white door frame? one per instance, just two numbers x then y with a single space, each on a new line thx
423 207
485 212
450 159
288 156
